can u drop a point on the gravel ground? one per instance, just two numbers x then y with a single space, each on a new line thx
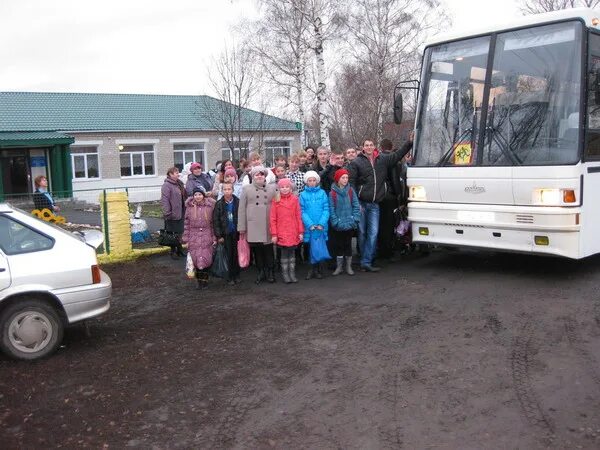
456 350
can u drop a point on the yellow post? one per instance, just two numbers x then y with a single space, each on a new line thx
119 228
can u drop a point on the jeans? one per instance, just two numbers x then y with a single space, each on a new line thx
368 228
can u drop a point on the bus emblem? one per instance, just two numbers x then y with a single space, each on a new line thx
474 189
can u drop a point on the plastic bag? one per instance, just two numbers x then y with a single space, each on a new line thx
190 270
243 253
318 247
220 267
402 228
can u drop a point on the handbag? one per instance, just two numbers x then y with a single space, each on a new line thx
190 270
318 247
220 267
243 249
168 238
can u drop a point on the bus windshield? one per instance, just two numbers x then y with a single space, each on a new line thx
532 100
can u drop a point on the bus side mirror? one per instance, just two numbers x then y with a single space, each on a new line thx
398 105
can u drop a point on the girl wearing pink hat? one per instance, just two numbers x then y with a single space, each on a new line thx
287 229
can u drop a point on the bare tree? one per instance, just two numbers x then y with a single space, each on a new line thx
280 43
387 36
233 80
541 6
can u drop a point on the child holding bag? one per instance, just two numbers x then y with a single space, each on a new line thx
315 215
225 218
286 228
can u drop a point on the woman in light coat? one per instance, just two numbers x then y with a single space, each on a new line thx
253 221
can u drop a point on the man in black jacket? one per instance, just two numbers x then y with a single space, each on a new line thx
369 176
225 218
385 238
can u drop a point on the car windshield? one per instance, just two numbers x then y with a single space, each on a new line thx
532 106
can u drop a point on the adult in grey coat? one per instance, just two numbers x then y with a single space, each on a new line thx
253 221
172 199
198 179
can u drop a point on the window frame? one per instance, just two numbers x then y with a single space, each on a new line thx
270 159
85 158
201 149
142 153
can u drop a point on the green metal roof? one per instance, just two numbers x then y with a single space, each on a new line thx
37 111
19 138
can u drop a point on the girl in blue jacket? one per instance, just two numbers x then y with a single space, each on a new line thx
315 214
344 214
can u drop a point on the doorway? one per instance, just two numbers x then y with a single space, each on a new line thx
16 173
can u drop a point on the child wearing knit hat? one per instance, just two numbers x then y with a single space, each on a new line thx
315 214
286 228
344 215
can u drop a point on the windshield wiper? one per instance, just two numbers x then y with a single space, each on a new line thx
504 146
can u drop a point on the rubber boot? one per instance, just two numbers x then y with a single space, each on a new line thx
349 270
202 280
339 268
285 270
174 253
318 271
292 269
261 276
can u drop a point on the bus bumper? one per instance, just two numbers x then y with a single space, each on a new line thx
541 230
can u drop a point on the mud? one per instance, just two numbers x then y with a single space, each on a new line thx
456 350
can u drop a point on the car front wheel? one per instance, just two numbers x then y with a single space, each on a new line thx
31 329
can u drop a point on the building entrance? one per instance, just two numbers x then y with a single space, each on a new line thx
16 172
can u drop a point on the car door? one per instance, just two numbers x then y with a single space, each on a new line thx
4 272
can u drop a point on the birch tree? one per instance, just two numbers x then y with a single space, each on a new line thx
280 43
541 6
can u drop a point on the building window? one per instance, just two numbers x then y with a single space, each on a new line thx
137 160
188 153
276 148
84 160
235 154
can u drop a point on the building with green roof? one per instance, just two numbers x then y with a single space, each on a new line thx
85 143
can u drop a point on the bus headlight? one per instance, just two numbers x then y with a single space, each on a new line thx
553 197
417 193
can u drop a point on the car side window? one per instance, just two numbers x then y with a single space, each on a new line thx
16 238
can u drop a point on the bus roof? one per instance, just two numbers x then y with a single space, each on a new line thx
586 14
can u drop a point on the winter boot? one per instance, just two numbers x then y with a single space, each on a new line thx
285 270
261 276
311 272
349 270
318 271
271 275
292 269
339 268
173 253
202 280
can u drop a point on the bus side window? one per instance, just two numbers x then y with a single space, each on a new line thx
592 139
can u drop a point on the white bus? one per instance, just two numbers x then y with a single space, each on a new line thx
507 138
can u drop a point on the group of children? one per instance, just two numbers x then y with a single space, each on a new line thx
278 211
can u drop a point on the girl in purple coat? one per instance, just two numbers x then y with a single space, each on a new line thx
198 233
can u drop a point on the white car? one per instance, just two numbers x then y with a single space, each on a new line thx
49 278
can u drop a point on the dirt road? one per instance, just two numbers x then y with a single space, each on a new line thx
457 350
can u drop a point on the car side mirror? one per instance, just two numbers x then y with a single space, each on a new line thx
398 105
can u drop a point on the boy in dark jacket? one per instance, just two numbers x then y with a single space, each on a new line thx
225 218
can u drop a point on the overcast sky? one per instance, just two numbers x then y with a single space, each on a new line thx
135 46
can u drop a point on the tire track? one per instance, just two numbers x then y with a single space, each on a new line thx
590 362
521 359
241 401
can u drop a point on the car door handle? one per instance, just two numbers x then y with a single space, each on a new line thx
2 269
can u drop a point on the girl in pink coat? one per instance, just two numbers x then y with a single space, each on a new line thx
286 228
198 233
